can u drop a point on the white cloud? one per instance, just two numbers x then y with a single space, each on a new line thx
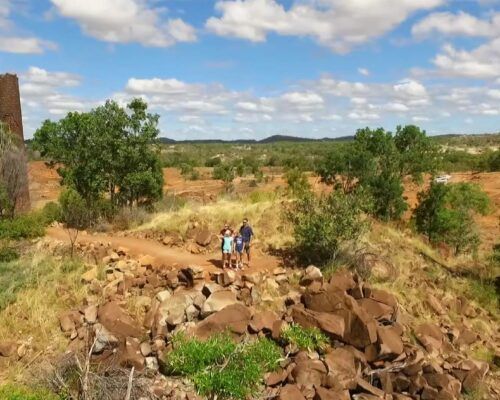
409 88
11 42
337 24
126 21
303 100
461 23
494 93
363 116
419 118
364 71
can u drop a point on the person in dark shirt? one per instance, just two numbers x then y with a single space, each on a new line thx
246 233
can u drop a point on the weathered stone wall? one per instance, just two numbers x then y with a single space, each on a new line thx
10 113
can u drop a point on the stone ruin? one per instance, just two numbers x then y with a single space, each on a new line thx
11 115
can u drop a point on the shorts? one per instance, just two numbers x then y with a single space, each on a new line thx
226 251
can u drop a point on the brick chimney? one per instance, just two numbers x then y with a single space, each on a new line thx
10 114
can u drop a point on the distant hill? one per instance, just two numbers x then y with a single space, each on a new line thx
270 139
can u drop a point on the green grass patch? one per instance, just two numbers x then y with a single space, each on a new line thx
221 368
305 338
8 254
17 392
25 273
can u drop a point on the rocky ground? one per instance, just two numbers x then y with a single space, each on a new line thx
135 306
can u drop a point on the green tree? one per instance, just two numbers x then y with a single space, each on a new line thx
297 182
107 150
225 173
321 225
446 214
378 161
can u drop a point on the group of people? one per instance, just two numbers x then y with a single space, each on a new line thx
234 244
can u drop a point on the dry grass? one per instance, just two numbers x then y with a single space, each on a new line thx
31 317
263 211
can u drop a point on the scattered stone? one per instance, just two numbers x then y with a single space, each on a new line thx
90 314
290 392
203 237
114 319
263 321
90 275
311 274
104 339
217 301
309 372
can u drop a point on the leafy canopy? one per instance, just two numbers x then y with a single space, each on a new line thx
446 214
108 149
378 161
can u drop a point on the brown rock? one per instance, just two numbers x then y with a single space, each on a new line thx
311 274
342 367
389 341
66 322
131 355
203 237
367 387
325 394
276 377
380 295
376 309
226 278
217 301
309 372
430 336
116 321
435 305
234 318
331 324
90 314
263 321
147 261
290 392
341 280
8 349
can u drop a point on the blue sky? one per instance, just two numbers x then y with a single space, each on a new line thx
253 68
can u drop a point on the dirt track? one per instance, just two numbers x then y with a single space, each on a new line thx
167 255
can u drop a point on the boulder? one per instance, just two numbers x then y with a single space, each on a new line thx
116 321
66 322
311 274
290 392
360 328
263 321
234 318
341 280
309 372
342 368
333 325
226 278
172 311
430 336
390 343
376 309
203 237
90 314
8 349
217 301
380 295
277 377
326 394
147 261
104 339
435 305
131 354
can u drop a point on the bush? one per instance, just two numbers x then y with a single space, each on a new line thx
16 392
309 339
297 182
26 226
128 218
445 214
51 212
321 225
8 254
220 368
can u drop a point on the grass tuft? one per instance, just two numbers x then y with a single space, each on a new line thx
219 368
305 338
16 392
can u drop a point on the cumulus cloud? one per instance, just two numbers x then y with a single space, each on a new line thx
12 42
364 71
126 21
337 24
482 62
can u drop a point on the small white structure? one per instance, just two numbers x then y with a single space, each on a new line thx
442 179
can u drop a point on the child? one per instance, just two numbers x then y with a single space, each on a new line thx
227 248
239 246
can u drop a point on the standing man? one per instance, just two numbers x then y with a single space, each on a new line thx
246 233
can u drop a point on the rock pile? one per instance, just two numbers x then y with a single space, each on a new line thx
370 356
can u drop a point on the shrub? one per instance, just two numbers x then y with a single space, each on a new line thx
309 339
321 225
445 214
8 254
128 218
26 226
170 202
16 392
297 182
221 369
51 212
